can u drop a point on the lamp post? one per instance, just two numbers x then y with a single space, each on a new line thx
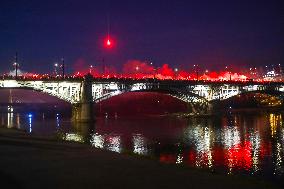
154 70
91 69
279 70
63 68
176 73
230 75
195 68
16 65
137 69
104 66
55 69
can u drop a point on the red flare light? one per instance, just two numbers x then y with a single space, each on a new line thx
108 43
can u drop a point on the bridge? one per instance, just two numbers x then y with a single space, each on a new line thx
83 92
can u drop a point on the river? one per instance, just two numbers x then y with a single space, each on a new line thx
246 144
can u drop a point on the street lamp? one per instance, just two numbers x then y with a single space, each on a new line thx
280 69
104 67
195 68
16 65
230 75
154 70
91 69
176 72
55 69
63 68
136 68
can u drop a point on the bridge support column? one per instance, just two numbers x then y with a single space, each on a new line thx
83 111
214 107
201 109
83 129
210 109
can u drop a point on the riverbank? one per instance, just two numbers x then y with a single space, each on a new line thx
36 162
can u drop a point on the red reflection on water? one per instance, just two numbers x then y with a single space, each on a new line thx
191 157
168 158
206 159
239 156
218 156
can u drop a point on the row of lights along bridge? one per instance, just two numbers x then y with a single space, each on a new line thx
265 73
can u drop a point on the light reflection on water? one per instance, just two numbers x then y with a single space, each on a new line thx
235 144
139 144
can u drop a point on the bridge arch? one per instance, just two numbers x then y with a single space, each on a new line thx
26 95
197 104
257 98
65 90
276 93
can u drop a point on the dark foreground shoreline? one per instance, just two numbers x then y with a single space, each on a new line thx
37 162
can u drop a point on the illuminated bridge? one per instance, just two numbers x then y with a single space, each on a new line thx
198 94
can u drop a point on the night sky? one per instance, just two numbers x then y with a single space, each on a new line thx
180 33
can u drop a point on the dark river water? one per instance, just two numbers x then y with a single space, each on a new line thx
230 144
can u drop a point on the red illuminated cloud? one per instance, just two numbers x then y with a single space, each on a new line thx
137 66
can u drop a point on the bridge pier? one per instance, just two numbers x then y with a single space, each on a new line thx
208 109
84 130
83 111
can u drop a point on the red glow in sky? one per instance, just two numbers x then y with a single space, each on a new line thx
108 43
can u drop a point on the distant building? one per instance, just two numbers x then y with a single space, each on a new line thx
272 76
20 73
13 73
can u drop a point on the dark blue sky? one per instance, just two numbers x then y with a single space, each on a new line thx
178 32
